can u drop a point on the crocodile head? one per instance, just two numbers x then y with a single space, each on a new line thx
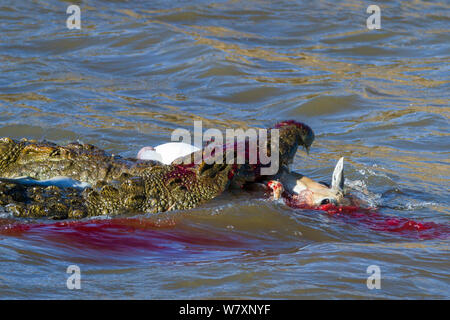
292 135
279 147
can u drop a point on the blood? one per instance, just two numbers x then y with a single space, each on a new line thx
183 173
292 122
376 221
125 235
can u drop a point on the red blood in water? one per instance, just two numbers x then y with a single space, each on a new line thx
128 234
124 235
378 222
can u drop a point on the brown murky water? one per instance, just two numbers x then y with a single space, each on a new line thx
137 70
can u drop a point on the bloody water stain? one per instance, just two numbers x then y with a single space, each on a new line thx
118 234
376 221
131 234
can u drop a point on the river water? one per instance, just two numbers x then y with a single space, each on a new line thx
137 70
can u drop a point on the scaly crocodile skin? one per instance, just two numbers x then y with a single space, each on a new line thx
120 185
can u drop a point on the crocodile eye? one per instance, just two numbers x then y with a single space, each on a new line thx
325 201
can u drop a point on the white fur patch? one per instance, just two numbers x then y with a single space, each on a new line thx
299 187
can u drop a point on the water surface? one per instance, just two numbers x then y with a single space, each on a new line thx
139 69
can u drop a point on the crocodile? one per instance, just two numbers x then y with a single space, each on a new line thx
118 185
